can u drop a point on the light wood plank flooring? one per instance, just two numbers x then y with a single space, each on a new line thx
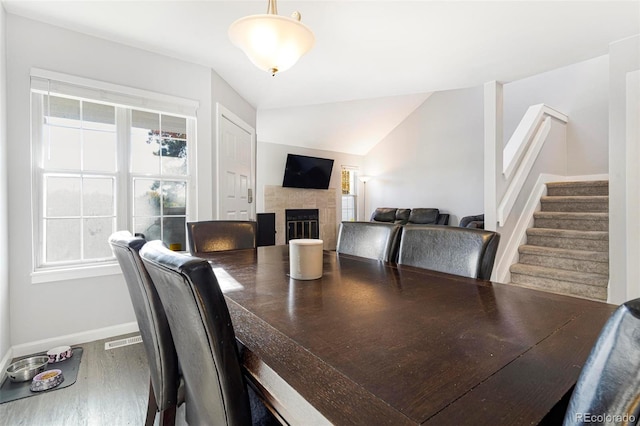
112 389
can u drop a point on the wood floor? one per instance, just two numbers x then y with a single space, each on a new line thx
111 389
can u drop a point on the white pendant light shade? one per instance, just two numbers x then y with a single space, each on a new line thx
273 43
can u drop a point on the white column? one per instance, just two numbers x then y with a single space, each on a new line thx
493 147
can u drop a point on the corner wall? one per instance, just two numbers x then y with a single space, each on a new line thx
580 91
5 320
433 158
97 303
624 162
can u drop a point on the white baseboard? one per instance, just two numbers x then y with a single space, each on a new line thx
73 339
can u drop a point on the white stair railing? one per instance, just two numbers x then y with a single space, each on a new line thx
521 152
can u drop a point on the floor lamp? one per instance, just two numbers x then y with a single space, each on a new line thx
364 180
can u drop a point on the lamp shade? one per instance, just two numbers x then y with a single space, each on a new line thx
273 43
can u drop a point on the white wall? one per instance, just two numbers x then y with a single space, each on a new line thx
582 92
624 188
433 158
5 333
272 158
101 302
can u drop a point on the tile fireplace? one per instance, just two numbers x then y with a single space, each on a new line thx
324 202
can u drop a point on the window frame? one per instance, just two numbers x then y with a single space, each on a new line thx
353 194
123 175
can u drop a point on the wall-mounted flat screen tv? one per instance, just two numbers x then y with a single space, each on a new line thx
307 172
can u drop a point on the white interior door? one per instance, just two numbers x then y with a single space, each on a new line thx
236 166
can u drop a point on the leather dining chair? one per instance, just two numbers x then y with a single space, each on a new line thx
215 391
220 235
164 393
372 240
609 383
460 251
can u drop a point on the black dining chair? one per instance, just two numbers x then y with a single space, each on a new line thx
608 389
215 391
372 240
164 394
460 251
221 235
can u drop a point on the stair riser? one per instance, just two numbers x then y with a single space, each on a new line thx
577 225
564 287
578 265
567 206
568 243
577 190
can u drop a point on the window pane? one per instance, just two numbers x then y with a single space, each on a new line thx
62 240
174 200
174 232
98 197
100 150
96 235
61 148
174 156
149 226
62 196
146 197
145 144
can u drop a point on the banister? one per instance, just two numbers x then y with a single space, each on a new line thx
523 148
515 147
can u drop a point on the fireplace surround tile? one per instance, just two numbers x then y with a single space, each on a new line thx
277 199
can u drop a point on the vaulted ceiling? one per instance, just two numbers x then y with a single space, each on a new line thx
365 51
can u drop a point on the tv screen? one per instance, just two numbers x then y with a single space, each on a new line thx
307 172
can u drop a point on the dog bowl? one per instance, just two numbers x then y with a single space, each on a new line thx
59 353
26 369
46 380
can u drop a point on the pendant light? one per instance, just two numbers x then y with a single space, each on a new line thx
273 43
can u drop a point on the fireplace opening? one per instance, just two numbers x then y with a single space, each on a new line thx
301 223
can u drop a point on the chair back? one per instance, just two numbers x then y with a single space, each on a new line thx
215 392
369 239
152 320
221 235
609 383
460 251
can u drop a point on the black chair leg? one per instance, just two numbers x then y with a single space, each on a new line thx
168 416
152 407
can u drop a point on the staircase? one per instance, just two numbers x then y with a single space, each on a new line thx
567 250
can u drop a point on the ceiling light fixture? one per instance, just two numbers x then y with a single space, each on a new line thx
273 43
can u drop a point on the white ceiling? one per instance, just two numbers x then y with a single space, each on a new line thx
364 49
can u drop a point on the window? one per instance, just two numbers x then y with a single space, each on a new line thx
100 166
349 193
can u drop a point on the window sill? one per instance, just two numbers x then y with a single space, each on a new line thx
52 275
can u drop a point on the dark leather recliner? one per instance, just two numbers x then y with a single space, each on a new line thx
460 251
421 216
221 235
476 221
154 329
369 239
609 383
215 391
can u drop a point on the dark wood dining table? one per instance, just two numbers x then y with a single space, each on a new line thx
376 343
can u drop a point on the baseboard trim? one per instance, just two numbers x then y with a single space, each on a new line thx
73 339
